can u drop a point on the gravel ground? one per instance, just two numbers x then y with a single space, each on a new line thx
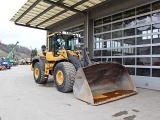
22 99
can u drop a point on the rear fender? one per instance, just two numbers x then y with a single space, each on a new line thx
41 59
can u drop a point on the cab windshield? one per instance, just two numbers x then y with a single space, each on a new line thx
67 42
61 42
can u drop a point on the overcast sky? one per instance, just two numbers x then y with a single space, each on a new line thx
11 33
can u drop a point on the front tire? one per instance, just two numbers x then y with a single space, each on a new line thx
64 76
38 74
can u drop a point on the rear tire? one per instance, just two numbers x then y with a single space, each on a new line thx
38 74
64 76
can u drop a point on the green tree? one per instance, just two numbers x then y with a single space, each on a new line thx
33 53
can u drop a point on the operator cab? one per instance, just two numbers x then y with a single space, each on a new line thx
62 42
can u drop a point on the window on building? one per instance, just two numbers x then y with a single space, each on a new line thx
143 71
129 51
156 5
98 22
106 19
155 50
131 70
107 28
117 17
117 34
129 32
143 20
117 52
129 23
143 50
106 52
145 61
116 43
156 61
144 40
117 60
156 17
97 53
117 25
143 30
156 31
155 72
98 41
107 44
129 41
143 9
156 38
98 38
106 36
147 36
98 30
128 61
98 45
129 13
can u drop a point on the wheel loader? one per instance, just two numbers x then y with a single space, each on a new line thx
68 62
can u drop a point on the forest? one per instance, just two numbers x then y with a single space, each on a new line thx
20 51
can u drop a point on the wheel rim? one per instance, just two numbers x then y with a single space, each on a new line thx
36 73
59 77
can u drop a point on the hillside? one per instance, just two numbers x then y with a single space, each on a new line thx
20 51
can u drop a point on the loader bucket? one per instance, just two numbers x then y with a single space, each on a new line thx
103 82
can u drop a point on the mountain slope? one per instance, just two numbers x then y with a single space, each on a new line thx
20 51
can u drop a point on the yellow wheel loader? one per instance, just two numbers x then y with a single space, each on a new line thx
73 70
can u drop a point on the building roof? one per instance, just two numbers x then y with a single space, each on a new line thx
44 13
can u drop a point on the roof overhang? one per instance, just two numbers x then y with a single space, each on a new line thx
42 14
